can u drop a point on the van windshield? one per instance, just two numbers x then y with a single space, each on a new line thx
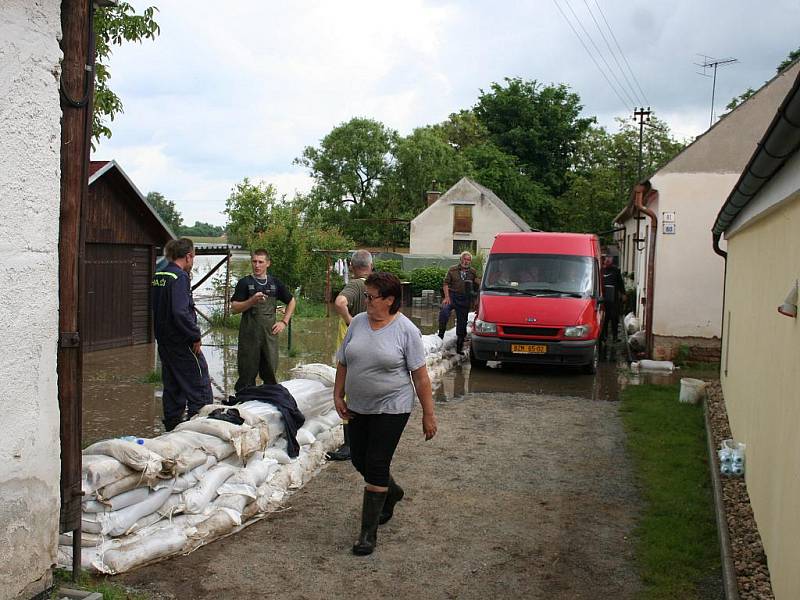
539 275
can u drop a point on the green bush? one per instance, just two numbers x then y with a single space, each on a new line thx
427 278
391 266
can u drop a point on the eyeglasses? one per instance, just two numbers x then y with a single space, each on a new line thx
370 297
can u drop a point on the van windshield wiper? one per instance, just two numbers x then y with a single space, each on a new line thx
570 294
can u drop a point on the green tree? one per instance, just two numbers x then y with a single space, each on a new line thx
787 62
350 162
539 125
167 211
203 230
462 130
114 25
249 209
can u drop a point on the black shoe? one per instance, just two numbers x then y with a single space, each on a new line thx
393 496
342 453
370 514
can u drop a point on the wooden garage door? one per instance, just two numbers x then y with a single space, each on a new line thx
117 301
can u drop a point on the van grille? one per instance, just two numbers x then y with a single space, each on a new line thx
537 331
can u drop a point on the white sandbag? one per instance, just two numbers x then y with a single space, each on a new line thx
120 521
88 540
432 343
90 524
117 502
187 480
329 419
197 498
169 540
234 502
631 323
99 471
133 455
178 451
305 437
277 454
638 341
173 506
656 365
146 521
316 372
315 426
220 522
260 470
126 484
249 417
221 429
252 439
210 444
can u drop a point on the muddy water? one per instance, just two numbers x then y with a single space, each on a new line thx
117 400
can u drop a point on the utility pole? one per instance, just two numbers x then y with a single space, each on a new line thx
707 63
643 115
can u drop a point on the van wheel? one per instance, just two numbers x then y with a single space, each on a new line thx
475 362
591 368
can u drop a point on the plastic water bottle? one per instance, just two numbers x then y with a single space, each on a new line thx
726 468
132 438
737 470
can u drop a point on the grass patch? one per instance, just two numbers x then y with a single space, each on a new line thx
206 239
218 319
91 583
310 309
153 376
676 539
706 367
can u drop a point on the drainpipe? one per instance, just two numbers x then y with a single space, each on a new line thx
642 192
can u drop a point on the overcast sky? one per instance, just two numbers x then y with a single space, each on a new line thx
237 89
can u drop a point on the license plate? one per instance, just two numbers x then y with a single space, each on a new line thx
528 348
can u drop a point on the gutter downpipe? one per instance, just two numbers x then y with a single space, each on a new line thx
641 192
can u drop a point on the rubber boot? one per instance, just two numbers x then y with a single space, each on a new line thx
370 513
343 453
442 328
393 496
459 344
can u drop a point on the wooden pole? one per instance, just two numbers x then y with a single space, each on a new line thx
226 304
77 84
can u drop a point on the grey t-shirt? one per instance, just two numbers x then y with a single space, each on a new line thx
379 364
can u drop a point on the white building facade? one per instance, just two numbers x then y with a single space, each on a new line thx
30 129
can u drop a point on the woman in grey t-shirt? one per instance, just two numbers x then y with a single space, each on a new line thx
380 357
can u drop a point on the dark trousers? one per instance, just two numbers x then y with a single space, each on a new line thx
186 381
612 322
461 304
373 439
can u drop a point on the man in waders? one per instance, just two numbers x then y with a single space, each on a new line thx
460 283
183 367
256 298
350 302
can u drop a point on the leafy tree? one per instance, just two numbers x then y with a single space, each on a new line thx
248 209
462 130
787 62
203 230
537 124
166 210
739 99
350 162
114 25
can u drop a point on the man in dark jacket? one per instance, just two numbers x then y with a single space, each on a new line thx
460 288
614 293
183 367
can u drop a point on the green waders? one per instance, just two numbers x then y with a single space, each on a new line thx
258 348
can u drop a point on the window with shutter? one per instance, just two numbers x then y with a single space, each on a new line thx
462 218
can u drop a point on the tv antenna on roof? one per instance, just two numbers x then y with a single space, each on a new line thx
709 62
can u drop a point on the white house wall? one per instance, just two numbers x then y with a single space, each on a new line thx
432 230
29 196
689 275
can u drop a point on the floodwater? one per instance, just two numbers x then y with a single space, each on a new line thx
117 400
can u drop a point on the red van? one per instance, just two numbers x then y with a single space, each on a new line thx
540 301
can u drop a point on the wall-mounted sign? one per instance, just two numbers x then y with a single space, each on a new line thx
668 217
669 228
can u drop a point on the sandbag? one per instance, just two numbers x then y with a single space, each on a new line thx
305 437
117 502
132 481
278 455
120 521
88 540
316 372
210 444
169 540
99 471
178 451
197 498
133 455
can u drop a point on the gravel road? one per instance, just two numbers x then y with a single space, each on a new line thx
524 494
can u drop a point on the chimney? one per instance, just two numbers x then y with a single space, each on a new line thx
432 196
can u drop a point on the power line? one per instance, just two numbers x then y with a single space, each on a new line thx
596 64
611 52
708 62
621 53
600 54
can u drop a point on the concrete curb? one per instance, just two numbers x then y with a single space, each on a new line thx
729 582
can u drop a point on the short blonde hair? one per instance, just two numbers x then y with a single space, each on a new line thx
465 253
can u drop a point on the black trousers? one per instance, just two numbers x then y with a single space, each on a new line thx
373 440
186 381
461 304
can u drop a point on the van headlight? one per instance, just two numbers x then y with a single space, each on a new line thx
484 327
577 331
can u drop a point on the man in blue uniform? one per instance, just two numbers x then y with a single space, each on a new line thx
183 367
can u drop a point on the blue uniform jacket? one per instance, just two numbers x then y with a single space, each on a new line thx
174 319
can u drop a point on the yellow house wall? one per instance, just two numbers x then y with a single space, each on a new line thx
761 382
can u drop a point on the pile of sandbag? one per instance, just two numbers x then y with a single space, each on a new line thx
146 499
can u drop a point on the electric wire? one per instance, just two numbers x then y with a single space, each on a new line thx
622 54
600 54
585 47
613 54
